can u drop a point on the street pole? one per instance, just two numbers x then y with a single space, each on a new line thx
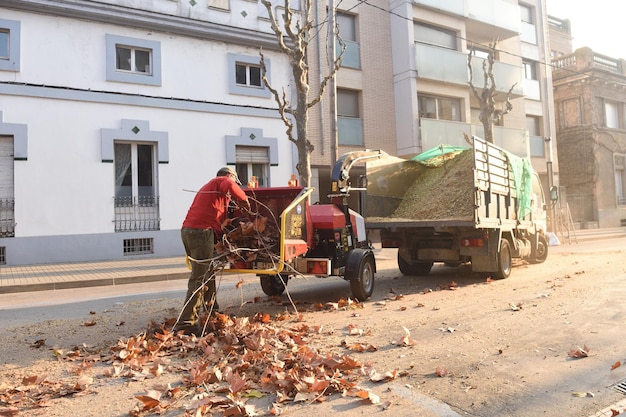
333 86
550 173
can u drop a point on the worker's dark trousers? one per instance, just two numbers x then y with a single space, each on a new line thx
199 245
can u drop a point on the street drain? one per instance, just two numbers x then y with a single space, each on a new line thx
620 386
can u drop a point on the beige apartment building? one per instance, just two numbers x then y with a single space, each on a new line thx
590 104
403 86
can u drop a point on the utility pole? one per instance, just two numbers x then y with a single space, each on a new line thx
332 94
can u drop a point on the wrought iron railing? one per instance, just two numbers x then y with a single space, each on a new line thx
7 217
133 214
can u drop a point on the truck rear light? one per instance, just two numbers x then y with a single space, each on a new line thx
473 242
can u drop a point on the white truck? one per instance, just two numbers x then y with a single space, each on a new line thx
480 205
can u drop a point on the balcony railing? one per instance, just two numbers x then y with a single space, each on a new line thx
133 214
499 18
352 55
585 59
446 65
7 217
350 131
436 132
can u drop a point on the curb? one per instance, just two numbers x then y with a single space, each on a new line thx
86 283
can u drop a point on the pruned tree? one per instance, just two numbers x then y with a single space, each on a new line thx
489 112
293 35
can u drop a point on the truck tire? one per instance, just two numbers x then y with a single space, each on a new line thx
505 260
273 284
416 269
362 285
539 251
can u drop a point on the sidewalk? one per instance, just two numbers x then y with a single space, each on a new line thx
90 274
14 279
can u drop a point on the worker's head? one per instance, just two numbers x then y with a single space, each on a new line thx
229 172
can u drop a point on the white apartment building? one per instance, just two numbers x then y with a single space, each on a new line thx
113 112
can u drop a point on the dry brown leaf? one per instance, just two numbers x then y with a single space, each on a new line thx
616 365
579 352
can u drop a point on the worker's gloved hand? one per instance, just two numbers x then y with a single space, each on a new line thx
245 206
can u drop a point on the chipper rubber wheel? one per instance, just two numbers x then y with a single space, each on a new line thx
273 284
539 251
505 260
360 271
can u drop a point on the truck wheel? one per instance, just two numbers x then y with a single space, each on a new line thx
505 260
539 252
416 269
362 285
273 284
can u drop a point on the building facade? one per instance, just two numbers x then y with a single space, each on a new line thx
112 113
590 104
431 42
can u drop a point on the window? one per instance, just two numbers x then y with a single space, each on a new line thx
433 35
349 123
136 200
529 30
526 14
441 108
252 161
4 44
619 162
348 32
530 70
140 246
613 115
533 125
9 45
7 187
132 60
248 74
347 26
245 77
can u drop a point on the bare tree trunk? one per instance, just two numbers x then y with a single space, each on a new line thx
489 113
292 38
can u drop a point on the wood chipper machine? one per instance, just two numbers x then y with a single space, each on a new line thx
285 236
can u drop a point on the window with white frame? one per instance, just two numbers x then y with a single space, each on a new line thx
248 74
9 45
442 108
136 197
530 70
252 161
133 60
613 114
434 35
619 164
246 77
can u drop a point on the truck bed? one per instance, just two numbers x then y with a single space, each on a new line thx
473 187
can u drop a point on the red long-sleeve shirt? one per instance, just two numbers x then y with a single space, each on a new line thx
210 204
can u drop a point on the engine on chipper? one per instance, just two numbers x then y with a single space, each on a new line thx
297 238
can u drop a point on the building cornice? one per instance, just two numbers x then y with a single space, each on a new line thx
144 19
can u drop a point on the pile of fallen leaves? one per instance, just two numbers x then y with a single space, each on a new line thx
218 373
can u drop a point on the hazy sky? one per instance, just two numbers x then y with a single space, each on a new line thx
597 24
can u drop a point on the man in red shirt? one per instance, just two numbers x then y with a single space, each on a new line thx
200 230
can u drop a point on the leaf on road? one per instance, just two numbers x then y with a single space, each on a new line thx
579 352
616 365
406 339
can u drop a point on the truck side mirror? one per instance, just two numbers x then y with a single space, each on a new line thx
554 195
